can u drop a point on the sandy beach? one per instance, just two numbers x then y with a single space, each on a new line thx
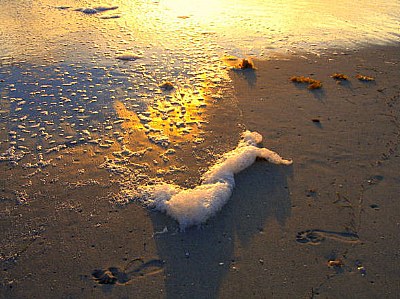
325 227
344 141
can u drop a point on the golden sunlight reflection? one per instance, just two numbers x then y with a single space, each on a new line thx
209 9
175 118
243 27
258 24
73 86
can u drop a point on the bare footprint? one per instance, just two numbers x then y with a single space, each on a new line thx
309 236
135 268
316 236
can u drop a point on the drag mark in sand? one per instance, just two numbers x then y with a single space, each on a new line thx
316 236
194 206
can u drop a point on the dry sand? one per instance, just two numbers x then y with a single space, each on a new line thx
274 239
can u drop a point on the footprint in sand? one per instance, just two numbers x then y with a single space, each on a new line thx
316 236
135 268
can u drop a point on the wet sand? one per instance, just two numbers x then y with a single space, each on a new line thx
275 237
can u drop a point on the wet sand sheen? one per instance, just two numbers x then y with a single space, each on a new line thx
343 167
81 130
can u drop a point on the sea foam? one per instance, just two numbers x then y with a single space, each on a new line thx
194 206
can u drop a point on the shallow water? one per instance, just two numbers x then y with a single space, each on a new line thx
239 27
62 87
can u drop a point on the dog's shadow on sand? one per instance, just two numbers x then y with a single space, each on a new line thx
197 260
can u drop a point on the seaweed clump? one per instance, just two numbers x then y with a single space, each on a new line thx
365 78
313 84
338 76
246 64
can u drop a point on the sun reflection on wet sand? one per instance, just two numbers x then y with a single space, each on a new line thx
169 120
255 27
243 27
82 128
66 85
